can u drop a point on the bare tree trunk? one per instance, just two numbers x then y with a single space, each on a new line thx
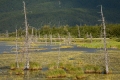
17 65
26 39
69 38
59 51
39 34
7 35
78 32
46 39
105 44
32 35
91 37
36 38
51 39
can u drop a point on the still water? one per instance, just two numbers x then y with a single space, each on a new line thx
4 47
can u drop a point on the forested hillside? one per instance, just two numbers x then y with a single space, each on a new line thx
56 12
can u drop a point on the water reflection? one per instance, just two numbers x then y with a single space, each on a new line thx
5 48
43 48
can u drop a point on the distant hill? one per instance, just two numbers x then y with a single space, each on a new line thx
56 12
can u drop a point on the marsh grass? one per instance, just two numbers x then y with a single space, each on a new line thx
35 66
19 71
56 73
71 67
93 69
13 66
52 66
97 43
66 47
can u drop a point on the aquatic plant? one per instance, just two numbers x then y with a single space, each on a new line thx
89 69
19 71
66 46
93 69
56 73
52 66
13 66
35 66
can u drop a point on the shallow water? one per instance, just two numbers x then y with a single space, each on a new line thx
74 48
4 47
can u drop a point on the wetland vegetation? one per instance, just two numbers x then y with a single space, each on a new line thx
72 64
52 52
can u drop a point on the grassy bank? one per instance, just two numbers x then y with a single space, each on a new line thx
97 43
72 65
80 42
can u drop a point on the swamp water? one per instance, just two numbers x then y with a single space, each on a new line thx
39 75
5 48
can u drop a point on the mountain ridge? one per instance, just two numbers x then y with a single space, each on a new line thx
56 12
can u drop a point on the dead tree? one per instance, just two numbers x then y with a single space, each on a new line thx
26 39
59 51
17 65
39 34
69 38
36 38
87 35
90 37
78 32
7 35
105 44
45 39
32 35
51 39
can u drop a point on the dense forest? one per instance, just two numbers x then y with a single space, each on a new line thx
56 13
78 31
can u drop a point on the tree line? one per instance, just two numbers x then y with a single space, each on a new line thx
78 31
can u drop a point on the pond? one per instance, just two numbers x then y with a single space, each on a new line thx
5 48
72 48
